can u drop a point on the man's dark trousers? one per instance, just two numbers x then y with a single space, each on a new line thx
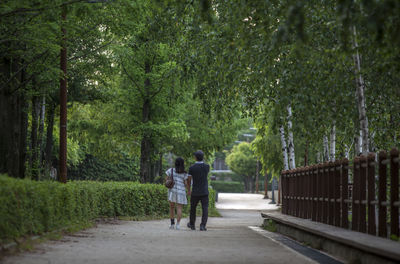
194 200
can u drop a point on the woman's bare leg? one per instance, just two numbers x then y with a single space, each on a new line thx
172 210
178 212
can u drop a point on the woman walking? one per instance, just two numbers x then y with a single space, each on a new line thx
177 194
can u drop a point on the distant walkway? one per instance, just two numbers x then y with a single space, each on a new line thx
228 240
244 201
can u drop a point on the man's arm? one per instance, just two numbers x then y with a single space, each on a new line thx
188 184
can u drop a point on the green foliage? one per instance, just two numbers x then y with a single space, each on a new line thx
394 237
267 147
30 207
95 169
269 225
228 187
242 161
227 176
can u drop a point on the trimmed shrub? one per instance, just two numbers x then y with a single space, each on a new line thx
227 187
227 176
30 207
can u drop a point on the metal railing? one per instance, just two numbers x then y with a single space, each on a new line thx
353 195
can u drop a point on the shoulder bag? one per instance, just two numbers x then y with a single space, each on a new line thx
169 183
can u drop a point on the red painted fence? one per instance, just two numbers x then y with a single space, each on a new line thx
363 196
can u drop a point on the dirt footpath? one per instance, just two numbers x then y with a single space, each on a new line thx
228 240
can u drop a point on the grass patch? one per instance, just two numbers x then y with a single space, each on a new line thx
269 225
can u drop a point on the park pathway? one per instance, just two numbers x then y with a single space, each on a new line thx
229 239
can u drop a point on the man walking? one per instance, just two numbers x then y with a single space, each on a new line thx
198 173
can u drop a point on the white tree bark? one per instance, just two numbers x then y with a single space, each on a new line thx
333 143
318 157
346 151
326 148
360 84
358 144
284 148
292 162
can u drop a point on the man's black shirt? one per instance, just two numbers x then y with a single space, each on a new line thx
199 172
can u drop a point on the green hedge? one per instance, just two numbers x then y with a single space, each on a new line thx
228 187
30 207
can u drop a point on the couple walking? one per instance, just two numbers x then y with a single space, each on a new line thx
195 178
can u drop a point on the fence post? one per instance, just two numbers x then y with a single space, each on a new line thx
356 195
325 195
371 193
314 195
320 192
336 193
344 193
283 192
296 192
309 192
300 192
382 181
305 193
394 192
330 192
291 192
286 189
363 194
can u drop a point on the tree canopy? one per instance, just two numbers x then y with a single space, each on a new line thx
149 78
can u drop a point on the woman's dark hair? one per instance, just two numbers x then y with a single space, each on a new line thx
179 165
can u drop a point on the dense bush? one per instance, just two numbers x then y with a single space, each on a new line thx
230 176
228 187
30 207
95 169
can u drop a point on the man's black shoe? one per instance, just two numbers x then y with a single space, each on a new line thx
203 228
191 226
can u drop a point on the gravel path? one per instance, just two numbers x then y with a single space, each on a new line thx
228 240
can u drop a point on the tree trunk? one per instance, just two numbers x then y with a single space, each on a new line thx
251 184
13 120
318 157
40 137
34 138
266 186
23 136
292 162
333 143
284 148
23 112
346 151
360 92
146 148
246 184
160 167
49 138
326 149
257 174
358 144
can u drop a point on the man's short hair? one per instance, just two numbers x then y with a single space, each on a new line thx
199 155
